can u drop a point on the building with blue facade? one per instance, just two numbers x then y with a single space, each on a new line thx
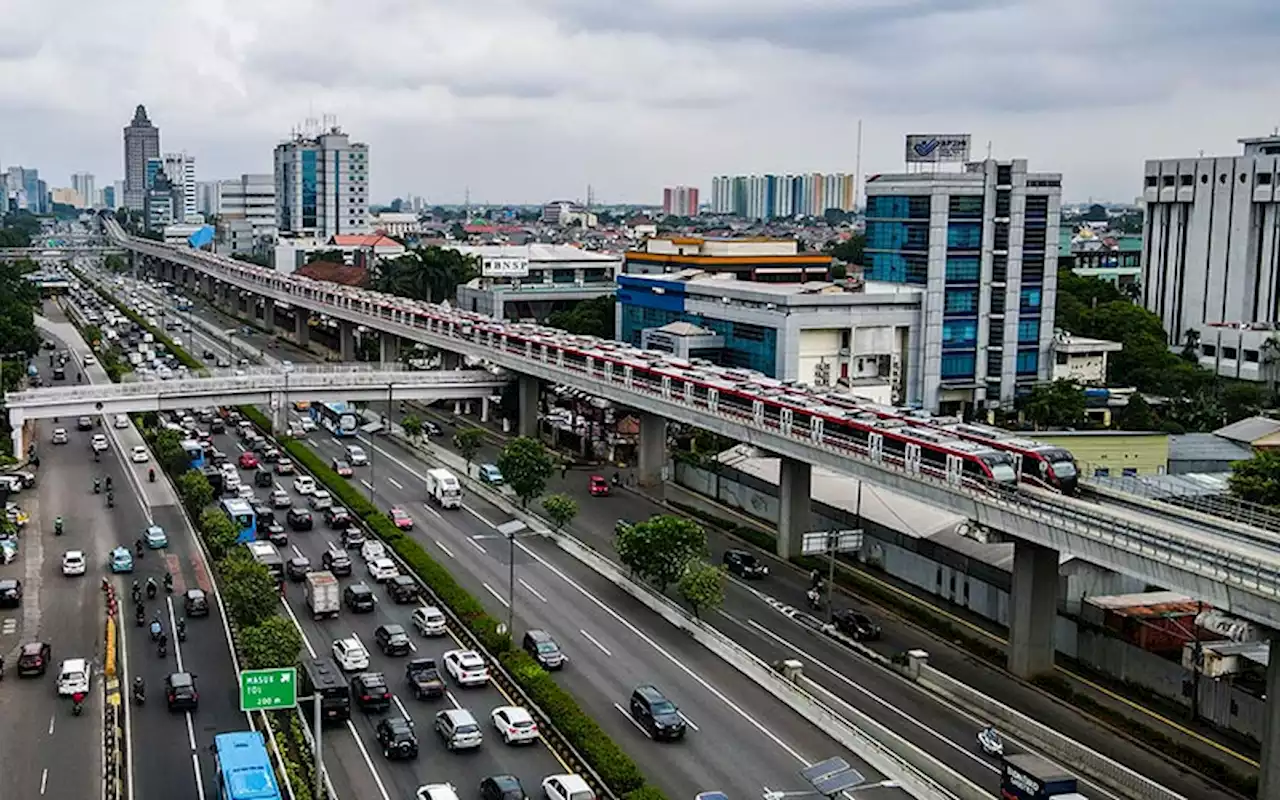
322 185
819 333
982 245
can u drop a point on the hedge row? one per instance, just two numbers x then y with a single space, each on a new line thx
614 767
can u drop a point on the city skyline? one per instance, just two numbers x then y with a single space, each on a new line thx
525 105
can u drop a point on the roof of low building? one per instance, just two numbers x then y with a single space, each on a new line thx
364 240
1249 430
334 273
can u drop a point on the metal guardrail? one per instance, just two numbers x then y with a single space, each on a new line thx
1255 571
1255 515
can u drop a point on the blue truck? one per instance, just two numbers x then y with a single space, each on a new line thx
1029 777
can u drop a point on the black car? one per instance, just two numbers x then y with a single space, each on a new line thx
33 658
337 517
10 593
271 455
263 479
299 519
180 692
337 562
352 538
501 787
195 603
539 644
395 734
403 589
392 639
656 714
217 426
744 564
424 677
262 512
297 568
359 598
276 534
371 692
207 355
430 428
855 625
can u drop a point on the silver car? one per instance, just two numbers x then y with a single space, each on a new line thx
458 729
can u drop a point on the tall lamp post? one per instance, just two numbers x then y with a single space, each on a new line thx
373 450
511 531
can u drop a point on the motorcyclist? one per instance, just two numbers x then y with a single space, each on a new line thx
151 588
111 499
137 591
140 616
77 700
156 629
139 690
814 598
108 483
97 485
168 583
137 546
57 526
151 474
182 629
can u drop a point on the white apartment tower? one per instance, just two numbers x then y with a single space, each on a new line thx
181 171
1211 253
82 183
322 185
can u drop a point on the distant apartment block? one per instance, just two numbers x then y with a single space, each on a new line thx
181 169
771 196
565 213
246 209
83 184
680 201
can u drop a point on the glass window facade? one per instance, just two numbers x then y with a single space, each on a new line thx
960 333
964 236
958 365
1030 299
1029 330
961 301
898 267
310 182
1028 362
962 269
898 207
885 235
745 346
965 207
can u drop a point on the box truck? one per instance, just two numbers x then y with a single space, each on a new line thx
443 488
323 595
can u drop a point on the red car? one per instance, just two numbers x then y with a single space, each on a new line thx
400 519
248 460
599 486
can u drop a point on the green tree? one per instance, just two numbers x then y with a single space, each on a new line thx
1258 479
1240 401
274 643
468 441
412 426
169 452
429 273
594 317
1055 405
114 263
219 534
702 586
561 508
850 251
248 590
194 489
526 465
659 549
1136 415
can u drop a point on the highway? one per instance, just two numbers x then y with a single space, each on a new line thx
759 616
742 739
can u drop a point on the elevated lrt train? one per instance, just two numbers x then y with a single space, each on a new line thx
975 454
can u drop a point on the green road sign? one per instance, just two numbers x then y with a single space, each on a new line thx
268 689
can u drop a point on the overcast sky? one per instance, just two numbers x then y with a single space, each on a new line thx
532 100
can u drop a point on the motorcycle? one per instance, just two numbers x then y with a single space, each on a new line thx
168 583
814 599
139 691
182 630
77 704
162 649
990 742
57 527
151 589
151 475
141 616
111 500
97 486
156 630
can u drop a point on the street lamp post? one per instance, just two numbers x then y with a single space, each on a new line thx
829 779
511 531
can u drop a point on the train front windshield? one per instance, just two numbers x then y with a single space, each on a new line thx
1001 466
1061 462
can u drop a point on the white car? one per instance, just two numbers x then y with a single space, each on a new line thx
429 621
121 421
89 360
350 654
568 786
382 570
515 725
245 491
73 677
59 435
466 667
99 442
372 550
436 791
307 423
280 499
321 499
73 563
304 484
139 454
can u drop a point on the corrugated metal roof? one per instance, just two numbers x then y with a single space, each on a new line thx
1206 447
1249 430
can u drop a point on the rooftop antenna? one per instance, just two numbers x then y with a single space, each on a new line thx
857 168
988 149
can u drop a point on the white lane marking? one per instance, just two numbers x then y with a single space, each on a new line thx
351 726
191 739
687 721
494 592
44 781
810 658
446 550
195 765
477 515
432 511
51 719
394 482
296 551
632 720
477 545
367 485
531 590
177 649
452 699
240 446
594 641
404 712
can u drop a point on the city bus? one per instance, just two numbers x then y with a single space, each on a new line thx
321 678
242 517
244 767
266 554
195 453
339 419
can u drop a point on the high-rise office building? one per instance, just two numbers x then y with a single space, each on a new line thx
160 203
83 184
109 197
181 170
27 191
322 185
1211 253
771 196
141 143
680 201
982 246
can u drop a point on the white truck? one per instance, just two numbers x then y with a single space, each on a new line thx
323 594
443 488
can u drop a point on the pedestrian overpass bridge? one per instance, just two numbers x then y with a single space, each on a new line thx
271 388
59 253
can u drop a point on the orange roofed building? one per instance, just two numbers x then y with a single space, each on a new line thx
761 260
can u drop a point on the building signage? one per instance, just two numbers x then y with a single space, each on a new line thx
494 267
937 148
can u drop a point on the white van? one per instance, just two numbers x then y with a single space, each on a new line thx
73 676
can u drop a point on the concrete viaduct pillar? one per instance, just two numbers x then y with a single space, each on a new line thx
450 360
795 481
1269 772
652 449
17 425
269 315
301 326
1033 609
346 341
389 348
530 390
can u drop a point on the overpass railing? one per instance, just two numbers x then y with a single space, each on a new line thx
1252 569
